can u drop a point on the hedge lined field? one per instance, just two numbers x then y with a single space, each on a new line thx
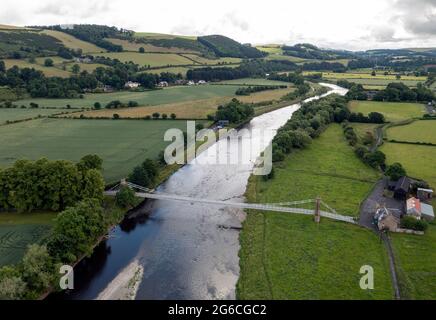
48 71
122 144
13 114
145 59
393 111
146 98
417 160
288 256
417 131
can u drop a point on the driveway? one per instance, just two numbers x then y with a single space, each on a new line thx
368 207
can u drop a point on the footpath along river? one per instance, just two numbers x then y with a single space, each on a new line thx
180 250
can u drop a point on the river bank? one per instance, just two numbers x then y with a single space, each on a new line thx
183 249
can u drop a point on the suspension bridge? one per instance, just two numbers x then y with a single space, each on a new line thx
321 209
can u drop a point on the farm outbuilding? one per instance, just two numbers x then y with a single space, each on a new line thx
424 194
402 188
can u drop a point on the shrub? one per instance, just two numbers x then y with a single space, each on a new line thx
125 197
409 222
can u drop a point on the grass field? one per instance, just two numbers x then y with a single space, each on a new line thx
364 77
72 42
289 256
122 144
329 169
152 35
18 230
193 109
417 131
145 59
48 71
417 160
146 98
416 256
392 111
202 60
20 114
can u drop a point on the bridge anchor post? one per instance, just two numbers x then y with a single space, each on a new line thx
317 216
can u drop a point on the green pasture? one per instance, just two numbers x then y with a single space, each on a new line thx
417 131
393 111
145 59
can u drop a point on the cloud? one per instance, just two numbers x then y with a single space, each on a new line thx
235 21
417 16
80 9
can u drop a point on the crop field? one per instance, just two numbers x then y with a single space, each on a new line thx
417 160
145 59
48 71
271 49
17 230
393 111
13 114
122 144
146 98
291 257
72 42
417 258
417 131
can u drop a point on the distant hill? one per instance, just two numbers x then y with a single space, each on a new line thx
310 51
225 47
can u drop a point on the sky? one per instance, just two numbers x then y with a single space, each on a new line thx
339 24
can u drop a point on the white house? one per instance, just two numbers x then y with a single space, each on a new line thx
202 82
162 84
132 85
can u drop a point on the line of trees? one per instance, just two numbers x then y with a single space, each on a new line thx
398 92
306 124
246 91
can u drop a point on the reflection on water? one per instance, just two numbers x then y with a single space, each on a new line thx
183 249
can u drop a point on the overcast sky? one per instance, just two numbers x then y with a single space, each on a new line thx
347 24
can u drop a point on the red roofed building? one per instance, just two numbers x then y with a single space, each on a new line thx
413 207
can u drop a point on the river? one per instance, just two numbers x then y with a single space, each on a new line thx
179 250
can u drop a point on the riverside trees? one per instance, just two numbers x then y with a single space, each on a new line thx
50 185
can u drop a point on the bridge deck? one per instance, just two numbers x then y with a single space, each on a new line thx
241 205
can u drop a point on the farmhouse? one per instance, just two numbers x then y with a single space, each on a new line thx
131 84
386 220
419 210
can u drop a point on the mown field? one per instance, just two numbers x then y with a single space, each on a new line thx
14 114
146 98
151 59
288 256
393 111
417 160
72 42
193 109
417 131
364 77
18 230
122 144
48 71
416 257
